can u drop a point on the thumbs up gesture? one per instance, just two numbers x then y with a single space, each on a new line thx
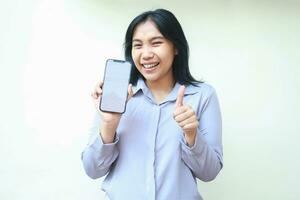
186 118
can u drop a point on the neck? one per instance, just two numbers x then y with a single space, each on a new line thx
160 89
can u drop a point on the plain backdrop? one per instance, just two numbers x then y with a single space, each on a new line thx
52 52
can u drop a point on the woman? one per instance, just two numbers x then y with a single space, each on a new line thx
170 133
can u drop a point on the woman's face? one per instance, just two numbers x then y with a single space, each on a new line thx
152 53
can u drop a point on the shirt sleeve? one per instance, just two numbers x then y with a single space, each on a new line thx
97 157
205 157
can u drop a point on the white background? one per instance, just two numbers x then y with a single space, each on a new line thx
52 52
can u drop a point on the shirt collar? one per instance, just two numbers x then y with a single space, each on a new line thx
139 86
189 90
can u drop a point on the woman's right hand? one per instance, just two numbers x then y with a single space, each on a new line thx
109 120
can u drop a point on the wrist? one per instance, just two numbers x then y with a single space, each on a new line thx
190 137
107 133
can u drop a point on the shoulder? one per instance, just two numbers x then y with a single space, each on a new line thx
202 89
199 96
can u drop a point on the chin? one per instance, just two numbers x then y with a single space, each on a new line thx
150 79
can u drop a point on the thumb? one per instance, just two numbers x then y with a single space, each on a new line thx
179 100
130 91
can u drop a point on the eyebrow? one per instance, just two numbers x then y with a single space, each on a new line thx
153 38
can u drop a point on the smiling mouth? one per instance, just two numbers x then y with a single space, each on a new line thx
149 66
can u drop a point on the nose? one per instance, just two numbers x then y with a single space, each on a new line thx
147 53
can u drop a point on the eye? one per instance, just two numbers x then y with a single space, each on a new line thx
157 43
137 45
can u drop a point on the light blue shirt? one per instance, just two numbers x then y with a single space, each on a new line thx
149 159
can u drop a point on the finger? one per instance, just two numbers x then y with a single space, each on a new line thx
98 87
191 126
189 120
94 95
98 90
185 116
179 100
130 91
100 84
180 110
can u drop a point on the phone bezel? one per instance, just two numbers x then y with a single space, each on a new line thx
105 70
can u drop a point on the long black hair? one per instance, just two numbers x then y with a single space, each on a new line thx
171 29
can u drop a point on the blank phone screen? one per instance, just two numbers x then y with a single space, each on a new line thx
116 79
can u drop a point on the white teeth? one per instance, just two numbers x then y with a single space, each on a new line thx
150 65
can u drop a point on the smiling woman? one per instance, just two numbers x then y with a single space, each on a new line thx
153 55
170 133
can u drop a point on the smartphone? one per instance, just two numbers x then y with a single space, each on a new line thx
115 86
